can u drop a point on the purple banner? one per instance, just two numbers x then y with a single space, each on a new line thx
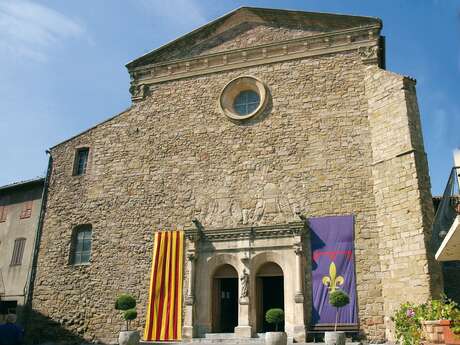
333 268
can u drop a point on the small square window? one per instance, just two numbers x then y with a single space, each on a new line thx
8 307
81 161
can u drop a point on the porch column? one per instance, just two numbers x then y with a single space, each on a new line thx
191 285
243 330
188 331
299 273
299 327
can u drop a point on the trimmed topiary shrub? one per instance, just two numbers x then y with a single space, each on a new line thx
130 314
274 316
338 299
127 304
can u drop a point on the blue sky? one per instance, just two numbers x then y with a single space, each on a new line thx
62 65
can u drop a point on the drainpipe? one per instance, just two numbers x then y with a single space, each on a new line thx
38 234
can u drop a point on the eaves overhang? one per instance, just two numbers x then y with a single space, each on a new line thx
449 250
22 184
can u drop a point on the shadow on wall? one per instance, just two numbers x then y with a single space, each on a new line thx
41 329
451 273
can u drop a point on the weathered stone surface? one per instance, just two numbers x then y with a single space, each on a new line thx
337 138
248 27
402 192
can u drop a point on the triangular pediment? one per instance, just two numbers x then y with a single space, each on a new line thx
248 26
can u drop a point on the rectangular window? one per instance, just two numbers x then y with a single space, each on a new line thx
18 251
8 307
82 246
81 161
3 211
26 211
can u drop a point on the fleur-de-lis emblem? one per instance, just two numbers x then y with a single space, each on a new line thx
333 281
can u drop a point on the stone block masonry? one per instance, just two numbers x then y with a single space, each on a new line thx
338 137
402 192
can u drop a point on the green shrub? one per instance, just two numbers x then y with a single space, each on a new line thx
443 309
338 299
130 314
409 316
126 303
407 324
274 316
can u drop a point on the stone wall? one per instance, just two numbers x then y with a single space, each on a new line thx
402 192
248 27
174 157
242 36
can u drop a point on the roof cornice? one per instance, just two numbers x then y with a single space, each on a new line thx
22 184
297 228
363 39
274 11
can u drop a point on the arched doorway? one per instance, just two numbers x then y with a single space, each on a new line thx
269 293
225 299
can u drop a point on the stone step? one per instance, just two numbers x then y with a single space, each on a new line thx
204 341
240 341
219 336
143 342
248 340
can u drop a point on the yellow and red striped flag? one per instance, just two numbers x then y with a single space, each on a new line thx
164 312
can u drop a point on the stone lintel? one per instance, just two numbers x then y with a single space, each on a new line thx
253 232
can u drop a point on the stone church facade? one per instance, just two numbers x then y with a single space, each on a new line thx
322 130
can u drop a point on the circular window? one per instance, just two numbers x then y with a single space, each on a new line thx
246 102
243 97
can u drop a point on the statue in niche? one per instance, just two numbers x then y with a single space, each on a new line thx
244 284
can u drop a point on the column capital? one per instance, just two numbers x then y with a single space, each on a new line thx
298 248
189 300
298 298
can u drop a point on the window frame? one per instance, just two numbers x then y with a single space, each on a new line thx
77 251
18 251
243 104
26 211
3 213
76 163
233 88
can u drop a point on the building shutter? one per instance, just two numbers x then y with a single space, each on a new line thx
26 209
3 211
18 251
